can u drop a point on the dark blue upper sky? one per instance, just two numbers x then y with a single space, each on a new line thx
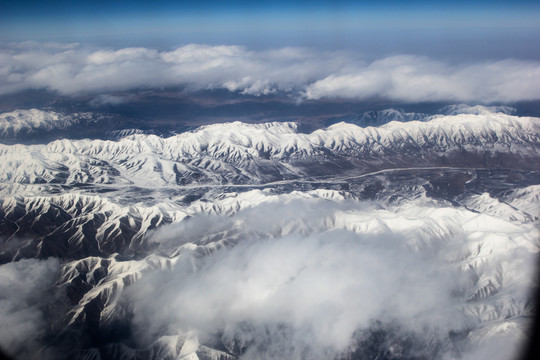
478 28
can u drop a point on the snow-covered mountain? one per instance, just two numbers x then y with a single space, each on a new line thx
247 241
239 153
25 122
108 248
381 117
476 109
378 118
33 124
42 126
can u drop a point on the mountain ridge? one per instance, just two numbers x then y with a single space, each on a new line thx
239 153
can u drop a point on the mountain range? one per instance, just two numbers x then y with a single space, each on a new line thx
384 235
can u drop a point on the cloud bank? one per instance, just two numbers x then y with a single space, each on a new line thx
72 69
289 286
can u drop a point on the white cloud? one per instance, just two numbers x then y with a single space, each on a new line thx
299 278
74 69
25 293
316 290
411 78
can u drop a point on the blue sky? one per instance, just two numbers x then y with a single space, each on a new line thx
501 28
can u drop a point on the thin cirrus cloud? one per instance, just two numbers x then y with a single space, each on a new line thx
300 72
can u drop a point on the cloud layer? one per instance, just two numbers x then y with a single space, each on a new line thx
303 73
26 295
305 286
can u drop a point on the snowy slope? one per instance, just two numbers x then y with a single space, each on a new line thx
410 239
252 153
489 255
21 123
16 122
476 109
378 118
